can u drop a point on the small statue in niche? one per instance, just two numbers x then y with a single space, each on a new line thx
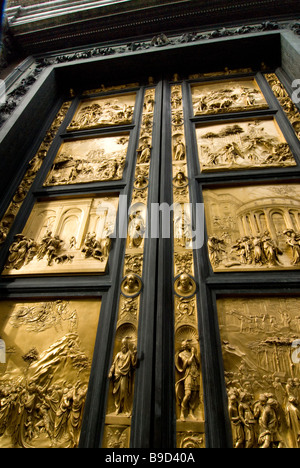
144 152
179 150
36 162
136 229
121 375
188 386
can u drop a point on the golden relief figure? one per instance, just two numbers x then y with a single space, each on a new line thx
104 112
120 374
65 236
89 160
44 376
253 228
243 145
262 370
227 96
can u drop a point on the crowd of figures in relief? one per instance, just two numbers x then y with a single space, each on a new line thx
43 391
262 370
253 227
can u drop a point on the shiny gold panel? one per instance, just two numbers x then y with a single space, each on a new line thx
234 95
89 160
44 371
190 431
262 370
253 228
65 236
243 145
104 112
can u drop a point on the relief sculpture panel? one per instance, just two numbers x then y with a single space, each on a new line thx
227 96
242 145
261 372
253 228
89 160
104 112
45 372
65 236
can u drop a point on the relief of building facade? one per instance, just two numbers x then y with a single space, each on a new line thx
65 236
253 228
261 372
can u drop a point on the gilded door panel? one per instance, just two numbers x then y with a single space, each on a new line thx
253 228
65 236
44 375
89 160
104 112
233 95
243 144
261 369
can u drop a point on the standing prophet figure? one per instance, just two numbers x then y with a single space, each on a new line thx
121 375
187 363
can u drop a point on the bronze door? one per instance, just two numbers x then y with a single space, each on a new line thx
145 254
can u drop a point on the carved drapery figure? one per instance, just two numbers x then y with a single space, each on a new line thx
121 375
92 247
179 150
236 422
144 152
188 386
136 229
21 252
293 240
